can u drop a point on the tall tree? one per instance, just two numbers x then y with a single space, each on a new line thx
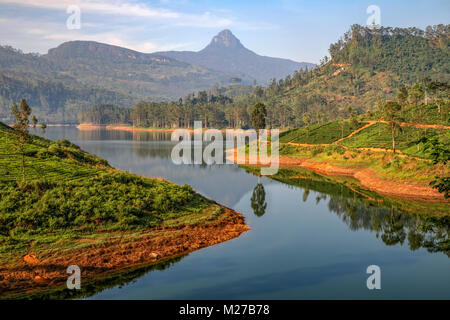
34 120
21 124
417 93
391 114
440 92
258 116
402 96
307 120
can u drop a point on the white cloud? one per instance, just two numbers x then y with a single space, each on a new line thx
117 40
125 23
130 9
47 35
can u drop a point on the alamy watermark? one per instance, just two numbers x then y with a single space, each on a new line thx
73 22
374 20
74 279
374 280
247 144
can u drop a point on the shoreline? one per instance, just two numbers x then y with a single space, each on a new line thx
120 254
121 128
86 126
366 177
131 128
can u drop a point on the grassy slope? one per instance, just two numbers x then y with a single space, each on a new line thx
427 114
319 133
379 136
70 194
352 151
365 71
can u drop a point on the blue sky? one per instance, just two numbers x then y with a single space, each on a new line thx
298 30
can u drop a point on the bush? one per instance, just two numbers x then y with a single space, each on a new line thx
317 151
113 200
56 150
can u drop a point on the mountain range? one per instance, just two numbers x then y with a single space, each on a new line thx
78 74
227 54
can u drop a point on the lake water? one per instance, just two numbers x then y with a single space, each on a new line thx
305 244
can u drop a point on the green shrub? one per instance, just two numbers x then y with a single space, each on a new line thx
114 200
316 151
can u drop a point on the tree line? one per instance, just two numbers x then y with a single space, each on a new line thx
213 108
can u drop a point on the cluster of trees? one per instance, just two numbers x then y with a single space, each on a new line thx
419 95
415 98
54 101
411 53
365 64
105 114
214 108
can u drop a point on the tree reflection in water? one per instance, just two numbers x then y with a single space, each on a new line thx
258 200
429 230
394 226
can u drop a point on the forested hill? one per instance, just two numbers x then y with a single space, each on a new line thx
366 66
411 53
78 74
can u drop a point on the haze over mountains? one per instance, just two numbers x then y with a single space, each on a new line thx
78 74
227 54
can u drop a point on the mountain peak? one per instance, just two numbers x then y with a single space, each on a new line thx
225 39
225 53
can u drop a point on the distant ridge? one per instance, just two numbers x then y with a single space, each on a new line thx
226 53
79 74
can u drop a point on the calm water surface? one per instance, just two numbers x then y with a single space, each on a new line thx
303 244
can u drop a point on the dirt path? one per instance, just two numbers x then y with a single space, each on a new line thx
371 123
414 125
397 152
354 132
100 260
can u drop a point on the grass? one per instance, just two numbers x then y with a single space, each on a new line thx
367 149
59 160
379 136
389 166
421 113
427 113
70 194
319 133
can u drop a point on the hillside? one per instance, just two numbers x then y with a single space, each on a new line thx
367 67
227 54
364 150
55 100
79 74
148 76
414 177
93 216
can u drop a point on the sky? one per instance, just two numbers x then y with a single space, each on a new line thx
293 29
